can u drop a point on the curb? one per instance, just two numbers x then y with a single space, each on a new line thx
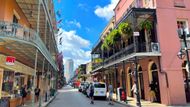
123 103
50 100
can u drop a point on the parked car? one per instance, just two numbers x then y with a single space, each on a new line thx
81 86
84 90
99 90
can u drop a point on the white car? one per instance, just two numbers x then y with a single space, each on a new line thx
99 90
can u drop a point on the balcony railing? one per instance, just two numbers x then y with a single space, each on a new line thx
131 49
16 31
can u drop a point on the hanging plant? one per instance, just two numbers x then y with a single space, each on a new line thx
146 25
115 36
125 29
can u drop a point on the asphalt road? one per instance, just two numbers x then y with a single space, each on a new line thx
69 97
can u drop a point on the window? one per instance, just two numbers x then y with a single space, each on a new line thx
179 3
99 85
183 24
15 19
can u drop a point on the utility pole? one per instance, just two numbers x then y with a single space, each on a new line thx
138 102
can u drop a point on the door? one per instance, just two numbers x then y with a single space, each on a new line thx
155 79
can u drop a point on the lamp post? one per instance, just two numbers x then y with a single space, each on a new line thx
138 101
182 35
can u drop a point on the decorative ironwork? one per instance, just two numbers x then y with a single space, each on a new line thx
16 31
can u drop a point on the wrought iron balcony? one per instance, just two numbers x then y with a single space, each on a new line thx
129 52
20 33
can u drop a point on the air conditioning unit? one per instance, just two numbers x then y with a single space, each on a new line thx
155 47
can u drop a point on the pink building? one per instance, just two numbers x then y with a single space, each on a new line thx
156 50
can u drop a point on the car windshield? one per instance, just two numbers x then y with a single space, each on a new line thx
99 85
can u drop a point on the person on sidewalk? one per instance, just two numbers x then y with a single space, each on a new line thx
23 94
110 88
134 89
152 92
37 93
91 93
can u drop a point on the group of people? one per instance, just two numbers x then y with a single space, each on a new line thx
152 91
24 92
110 90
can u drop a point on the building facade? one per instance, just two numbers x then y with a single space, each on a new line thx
151 50
28 47
69 69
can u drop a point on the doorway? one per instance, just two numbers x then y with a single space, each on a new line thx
141 82
155 79
186 78
130 82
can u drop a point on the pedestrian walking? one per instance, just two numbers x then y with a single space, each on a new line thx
152 92
134 89
23 94
37 93
110 89
91 93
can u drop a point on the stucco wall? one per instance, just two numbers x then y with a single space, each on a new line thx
10 6
167 16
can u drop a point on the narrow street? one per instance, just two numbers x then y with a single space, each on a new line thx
69 97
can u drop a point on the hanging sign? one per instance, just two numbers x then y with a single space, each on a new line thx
136 33
10 60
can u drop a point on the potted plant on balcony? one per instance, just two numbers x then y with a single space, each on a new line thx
147 27
115 38
125 30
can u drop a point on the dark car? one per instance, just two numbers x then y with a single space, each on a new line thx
84 90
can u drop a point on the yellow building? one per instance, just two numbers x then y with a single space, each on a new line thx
27 46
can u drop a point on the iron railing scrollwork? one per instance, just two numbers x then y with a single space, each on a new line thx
16 31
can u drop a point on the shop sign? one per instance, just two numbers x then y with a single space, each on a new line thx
136 33
10 60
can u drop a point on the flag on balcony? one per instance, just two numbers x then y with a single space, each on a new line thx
60 41
60 33
60 21
58 13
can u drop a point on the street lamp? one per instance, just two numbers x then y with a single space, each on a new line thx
182 35
181 54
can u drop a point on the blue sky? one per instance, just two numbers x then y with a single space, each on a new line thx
83 21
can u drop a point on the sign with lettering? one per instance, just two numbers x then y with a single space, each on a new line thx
10 60
136 34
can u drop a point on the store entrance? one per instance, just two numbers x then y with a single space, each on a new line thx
141 83
155 80
186 78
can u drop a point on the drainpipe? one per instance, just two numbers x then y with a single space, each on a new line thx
163 72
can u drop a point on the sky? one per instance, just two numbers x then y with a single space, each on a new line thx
80 24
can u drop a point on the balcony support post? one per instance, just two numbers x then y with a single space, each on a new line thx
34 80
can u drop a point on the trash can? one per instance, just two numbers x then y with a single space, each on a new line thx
121 94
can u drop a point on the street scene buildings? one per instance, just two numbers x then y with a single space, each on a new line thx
140 45
28 49
142 53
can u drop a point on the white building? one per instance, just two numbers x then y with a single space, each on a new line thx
69 69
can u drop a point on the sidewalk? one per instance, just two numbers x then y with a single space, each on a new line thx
132 103
43 104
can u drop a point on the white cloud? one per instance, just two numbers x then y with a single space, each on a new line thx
106 11
74 47
74 22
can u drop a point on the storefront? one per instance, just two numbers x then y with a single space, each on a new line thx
12 78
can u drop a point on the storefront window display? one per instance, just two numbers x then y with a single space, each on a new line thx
8 81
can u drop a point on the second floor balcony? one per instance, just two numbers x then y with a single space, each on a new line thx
128 46
22 43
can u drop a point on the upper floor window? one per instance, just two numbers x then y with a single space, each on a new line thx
179 3
15 19
183 24
149 3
